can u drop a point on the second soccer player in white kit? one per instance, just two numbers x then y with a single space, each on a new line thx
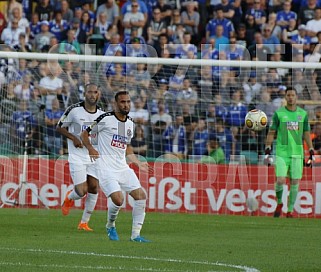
115 130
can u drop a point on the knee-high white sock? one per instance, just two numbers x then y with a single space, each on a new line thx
74 196
138 217
90 204
112 213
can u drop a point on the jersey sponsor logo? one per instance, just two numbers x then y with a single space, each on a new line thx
119 141
292 125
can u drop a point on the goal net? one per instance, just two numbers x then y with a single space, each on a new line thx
184 109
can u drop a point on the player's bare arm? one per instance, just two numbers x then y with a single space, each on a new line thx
270 138
93 153
132 158
64 132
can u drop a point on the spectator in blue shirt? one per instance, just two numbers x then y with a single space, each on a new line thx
258 13
270 41
228 28
53 138
236 111
199 138
175 138
58 26
284 16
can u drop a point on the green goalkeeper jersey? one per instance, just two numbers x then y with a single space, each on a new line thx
290 126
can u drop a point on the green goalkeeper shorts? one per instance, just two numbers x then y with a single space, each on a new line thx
289 167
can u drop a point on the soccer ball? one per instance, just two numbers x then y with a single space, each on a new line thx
252 204
256 120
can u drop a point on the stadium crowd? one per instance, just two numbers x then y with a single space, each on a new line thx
185 111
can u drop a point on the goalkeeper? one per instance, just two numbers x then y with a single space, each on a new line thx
290 125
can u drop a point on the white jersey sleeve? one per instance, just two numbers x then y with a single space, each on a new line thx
77 119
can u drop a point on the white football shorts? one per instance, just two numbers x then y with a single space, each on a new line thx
79 172
111 182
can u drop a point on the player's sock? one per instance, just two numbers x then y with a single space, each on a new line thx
90 204
292 197
138 217
112 213
279 192
73 195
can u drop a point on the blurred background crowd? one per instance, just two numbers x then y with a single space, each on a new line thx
184 111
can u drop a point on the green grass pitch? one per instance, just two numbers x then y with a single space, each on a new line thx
44 240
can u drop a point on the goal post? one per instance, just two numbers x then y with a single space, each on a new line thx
182 109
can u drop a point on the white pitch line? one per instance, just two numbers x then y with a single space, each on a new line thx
241 267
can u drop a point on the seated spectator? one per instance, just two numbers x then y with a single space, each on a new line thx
53 139
110 7
140 115
70 44
50 86
227 140
128 7
205 88
258 13
306 12
23 45
134 18
199 138
44 10
250 147
284 16
276 30
301 41
191 20
165 9
227 26
86 24
237 110
258 50
272 42
66 12
251 88
8 104
58 26
159 122
215 153
175 139
34 26
117 78
23 23
314 26
134 35
22 128
155 28
42 40
10 35
12 4
175 29
290 34
186 49
102 24
23 91
221 41
138 142
187 95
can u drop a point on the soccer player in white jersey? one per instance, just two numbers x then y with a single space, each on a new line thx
115 130
83 170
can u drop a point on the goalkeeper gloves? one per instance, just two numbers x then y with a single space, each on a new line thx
268 159
311 158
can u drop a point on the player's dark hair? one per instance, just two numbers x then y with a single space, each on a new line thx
120 93
91 84
291 89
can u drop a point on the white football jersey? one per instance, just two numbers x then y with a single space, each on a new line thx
113 137
77 119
